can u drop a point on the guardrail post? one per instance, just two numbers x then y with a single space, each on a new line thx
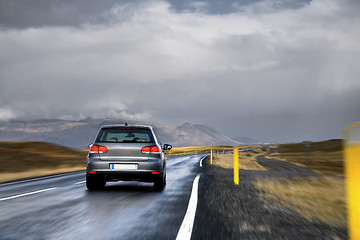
351 136
236 165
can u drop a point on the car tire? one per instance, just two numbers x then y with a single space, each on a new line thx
94 183
159 183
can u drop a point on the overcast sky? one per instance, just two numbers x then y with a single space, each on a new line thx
275 70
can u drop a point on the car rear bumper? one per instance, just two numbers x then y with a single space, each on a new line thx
147 171
125 176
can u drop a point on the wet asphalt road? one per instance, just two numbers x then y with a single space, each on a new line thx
61 207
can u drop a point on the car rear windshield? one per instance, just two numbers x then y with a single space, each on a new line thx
125 135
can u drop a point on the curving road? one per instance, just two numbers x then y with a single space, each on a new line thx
60 207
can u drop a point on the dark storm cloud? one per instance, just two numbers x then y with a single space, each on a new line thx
257 69
41 13
226 7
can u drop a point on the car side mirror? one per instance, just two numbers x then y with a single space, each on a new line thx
167 147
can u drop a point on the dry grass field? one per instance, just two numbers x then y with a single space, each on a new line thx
204 149
314 198
247 160
32 159
324 157
321 198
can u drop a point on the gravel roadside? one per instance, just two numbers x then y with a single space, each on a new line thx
226 211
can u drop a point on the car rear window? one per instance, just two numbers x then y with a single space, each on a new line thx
125 135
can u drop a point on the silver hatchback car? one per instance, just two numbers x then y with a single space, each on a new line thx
128 153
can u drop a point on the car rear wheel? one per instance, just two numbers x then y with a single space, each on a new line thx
93 183
159 183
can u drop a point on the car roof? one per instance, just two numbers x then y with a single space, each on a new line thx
126 125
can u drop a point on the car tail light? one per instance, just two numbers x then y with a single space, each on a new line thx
150 149
98 149
125 127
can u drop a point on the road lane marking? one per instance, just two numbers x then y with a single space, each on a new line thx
188 222
79 182
27 194
201 162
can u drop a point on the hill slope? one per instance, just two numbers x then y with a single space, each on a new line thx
78 134
33 159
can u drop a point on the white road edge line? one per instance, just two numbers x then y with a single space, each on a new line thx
201 162
26 194
79 182
188 222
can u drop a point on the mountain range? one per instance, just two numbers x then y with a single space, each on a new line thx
79 134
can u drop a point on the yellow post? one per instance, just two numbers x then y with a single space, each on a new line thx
351 136
236 166
211 156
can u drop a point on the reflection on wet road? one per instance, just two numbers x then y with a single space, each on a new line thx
61 207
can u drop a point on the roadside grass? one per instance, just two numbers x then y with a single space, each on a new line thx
320 198
204 149
247 160
324 157
314 198
33 159
11 176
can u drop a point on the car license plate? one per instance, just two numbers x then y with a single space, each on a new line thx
123 166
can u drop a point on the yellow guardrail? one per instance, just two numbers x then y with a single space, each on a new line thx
214 150
199 150
351 136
